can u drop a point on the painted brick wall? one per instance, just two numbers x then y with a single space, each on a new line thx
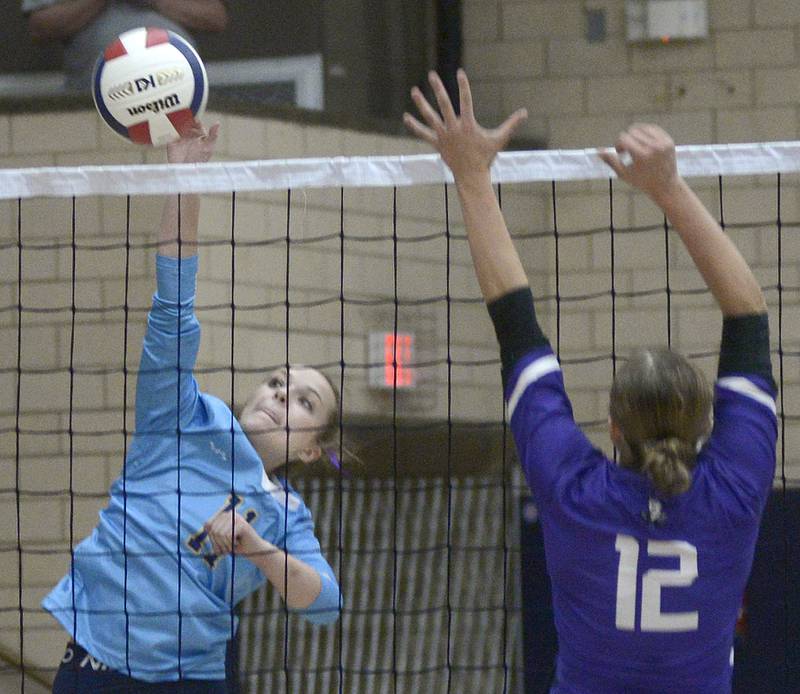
738 85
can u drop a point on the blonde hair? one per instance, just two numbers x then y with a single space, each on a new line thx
662 406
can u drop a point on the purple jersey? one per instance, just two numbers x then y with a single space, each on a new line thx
646 590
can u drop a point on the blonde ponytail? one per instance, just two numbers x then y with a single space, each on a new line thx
668 464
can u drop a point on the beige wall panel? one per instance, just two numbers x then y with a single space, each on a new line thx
470 325
762 125
5 134
626 94
776 13
358 144
52 474
632 251
755 48
45 569
472 404
102 158
40 520
41 346
283 140
546 18
717 89
696 326
545 96
44 295
244 137
44 218
779 86
45 132
42 392
692 127
517 60
373 201
579 132
41 432
752 206
577 213
731 14
481 20
571 57
322 142
658 58
96 431
23 161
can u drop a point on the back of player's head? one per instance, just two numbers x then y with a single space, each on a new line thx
662 407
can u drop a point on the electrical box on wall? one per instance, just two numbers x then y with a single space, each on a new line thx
666 20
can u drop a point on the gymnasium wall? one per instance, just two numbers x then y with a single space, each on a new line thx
739 85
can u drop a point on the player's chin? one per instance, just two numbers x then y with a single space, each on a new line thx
258 423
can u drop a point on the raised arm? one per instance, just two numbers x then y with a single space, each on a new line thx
181 216
469 150
62 20
172 328
549 443
653 170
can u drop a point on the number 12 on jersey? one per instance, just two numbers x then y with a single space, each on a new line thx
651 617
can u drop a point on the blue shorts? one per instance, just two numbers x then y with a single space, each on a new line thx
79 673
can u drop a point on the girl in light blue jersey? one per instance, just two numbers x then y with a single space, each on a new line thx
648 559
198 519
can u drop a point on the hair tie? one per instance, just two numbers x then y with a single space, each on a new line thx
336 462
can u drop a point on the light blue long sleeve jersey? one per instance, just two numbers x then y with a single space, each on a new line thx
145 594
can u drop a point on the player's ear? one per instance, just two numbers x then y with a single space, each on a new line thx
614 433
310 454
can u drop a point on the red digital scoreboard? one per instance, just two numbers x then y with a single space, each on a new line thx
391 358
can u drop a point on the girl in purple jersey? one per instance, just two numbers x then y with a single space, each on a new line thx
648 559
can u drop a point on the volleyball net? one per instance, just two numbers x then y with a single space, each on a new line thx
360 267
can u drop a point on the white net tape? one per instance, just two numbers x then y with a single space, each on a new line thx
510 167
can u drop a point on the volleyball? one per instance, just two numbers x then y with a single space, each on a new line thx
149 85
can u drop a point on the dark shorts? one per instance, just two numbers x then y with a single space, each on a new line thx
80 673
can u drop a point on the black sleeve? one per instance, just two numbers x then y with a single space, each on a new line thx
516 327
745 346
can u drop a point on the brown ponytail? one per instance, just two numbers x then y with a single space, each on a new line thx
668 464
662 406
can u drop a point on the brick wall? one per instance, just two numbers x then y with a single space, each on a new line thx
739 85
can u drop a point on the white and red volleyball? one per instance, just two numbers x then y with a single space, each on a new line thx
149 85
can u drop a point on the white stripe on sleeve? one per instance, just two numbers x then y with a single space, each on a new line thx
530 374
751 390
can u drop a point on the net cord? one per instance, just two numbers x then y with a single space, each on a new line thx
387 171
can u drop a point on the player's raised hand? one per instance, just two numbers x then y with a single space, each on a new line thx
650 164
463 144
195 147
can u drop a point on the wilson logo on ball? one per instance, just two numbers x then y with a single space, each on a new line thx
156 106
130 77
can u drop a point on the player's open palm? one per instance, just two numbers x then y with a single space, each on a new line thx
195 147
464 145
